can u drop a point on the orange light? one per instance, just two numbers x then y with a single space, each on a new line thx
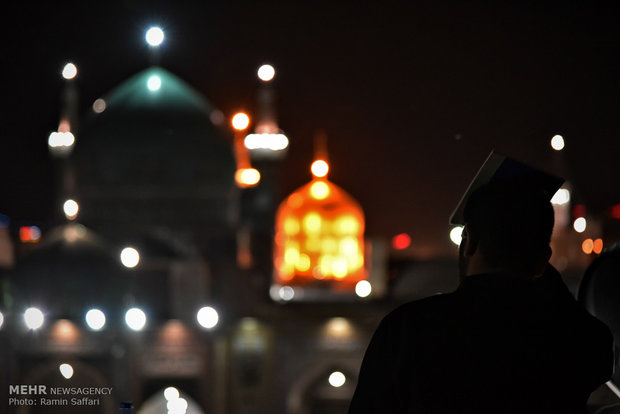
587 246
240 121
319 237
247 177
597 246
401 241
319 168
65 331
319 190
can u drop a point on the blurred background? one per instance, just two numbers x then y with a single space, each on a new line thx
209 206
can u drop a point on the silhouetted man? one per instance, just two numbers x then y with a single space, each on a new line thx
511 338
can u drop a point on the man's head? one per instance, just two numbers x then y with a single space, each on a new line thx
508 225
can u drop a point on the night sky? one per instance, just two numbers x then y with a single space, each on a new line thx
412 98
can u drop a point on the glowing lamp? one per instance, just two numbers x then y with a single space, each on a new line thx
597 246
266 73
154 36
130 257
33 318
401 241
66 370
71 208
135 319
95 319
337 379
587 246
207 317
557 142
247 177
319 168
69 71
580 224
171 393
240 121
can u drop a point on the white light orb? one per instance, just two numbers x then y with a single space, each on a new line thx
1 319
153 83
154 36
177 406
171 393
580 224
66 370
337 379
95 319
240 121
456 234
99 105
286 293
71 208
69 71
33 317
207 317
561 197
363 288
557 142
130 257
135 318
61 139
319 168
266 73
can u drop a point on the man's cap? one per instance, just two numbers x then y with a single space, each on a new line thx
497 168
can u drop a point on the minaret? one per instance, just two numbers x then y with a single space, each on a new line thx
62 141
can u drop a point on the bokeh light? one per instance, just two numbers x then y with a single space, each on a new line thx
130 257
99 105
580 224
240 121
95 319
247 177
153 83
266 73
337 379
70 208
171 393
363 288
561 197
33 317
66 370
154 36
456 235
319 168
597 246
401 241
69 71
319 190
207 317
557 142
135 318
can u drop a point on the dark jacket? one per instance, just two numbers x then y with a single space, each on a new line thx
495 345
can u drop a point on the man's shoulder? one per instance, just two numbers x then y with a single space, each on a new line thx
431 307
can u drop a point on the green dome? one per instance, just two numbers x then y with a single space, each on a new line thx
156 131
154 154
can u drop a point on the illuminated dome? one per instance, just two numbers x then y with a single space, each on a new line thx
319 237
